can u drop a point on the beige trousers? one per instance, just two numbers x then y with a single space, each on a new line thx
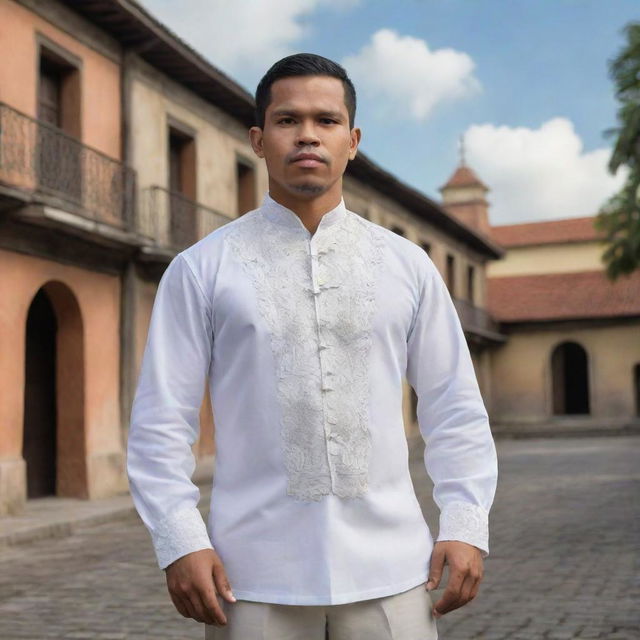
402 616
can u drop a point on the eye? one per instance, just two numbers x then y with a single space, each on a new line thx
328 120
285 120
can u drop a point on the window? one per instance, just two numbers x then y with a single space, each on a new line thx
427 247
50 88
470 283
397 230
59 150
246 186
450 279
183 221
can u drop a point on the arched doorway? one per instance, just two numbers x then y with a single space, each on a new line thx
39 442
54 447
570 379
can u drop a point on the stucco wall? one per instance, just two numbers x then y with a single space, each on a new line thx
155 99
567 257
98 299
100 74
521 371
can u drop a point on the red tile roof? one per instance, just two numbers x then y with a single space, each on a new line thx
463 176
563 296
547 232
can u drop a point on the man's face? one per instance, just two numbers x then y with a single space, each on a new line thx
307 116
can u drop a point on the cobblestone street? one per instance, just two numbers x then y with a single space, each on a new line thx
564 563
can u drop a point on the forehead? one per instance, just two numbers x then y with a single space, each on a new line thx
308 92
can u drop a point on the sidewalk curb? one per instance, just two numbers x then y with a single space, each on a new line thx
66 527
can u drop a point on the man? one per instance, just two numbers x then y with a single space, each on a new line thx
304 317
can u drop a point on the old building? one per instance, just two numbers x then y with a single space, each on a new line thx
119 147
572 359
65 234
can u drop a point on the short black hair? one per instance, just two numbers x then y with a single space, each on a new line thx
303 64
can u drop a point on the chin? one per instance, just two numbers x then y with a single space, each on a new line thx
308 188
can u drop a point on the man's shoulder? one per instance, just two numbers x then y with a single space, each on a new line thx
404 248
209 246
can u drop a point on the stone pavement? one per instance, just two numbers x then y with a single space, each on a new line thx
564 542
564 563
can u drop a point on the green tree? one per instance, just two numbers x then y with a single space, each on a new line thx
619 218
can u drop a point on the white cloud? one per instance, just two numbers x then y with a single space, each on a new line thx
406 78
245 36
539 173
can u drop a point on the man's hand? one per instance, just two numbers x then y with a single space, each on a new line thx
194 581
465 574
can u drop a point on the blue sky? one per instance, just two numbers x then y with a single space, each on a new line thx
525 81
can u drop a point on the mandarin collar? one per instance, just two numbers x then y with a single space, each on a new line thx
280 214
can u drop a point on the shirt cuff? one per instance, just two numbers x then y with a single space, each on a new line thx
465 522
180 533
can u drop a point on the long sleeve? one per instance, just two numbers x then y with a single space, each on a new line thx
165 415
460 455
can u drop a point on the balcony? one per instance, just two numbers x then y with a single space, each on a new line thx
171 222
40 164
477 322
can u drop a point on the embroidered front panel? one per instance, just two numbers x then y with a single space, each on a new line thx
320 337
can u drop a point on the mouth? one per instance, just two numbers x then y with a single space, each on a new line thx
307 160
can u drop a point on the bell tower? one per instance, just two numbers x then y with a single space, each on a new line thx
463 196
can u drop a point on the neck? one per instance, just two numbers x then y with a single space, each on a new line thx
309 209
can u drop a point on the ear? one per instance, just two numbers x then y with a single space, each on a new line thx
255 136
354 141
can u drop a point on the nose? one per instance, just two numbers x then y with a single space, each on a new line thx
307 134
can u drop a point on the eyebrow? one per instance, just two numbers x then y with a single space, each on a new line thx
336 115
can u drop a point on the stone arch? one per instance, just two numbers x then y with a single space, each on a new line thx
570 379
54 393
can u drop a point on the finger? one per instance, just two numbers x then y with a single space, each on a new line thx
191 610
448 602
451 595
182 610
475 578
197 608
436 567
180 597
212 602
222 583
476 587
466 589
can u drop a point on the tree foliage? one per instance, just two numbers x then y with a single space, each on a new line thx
619 218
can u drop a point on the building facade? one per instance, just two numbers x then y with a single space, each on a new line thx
65 207
570 360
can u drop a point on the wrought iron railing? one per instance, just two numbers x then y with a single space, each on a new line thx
39 158
475 318
173 221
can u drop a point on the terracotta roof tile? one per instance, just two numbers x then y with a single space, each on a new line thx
547 232
463 176
563 296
